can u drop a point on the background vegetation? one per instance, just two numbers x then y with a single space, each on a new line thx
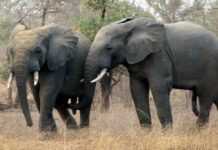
122 129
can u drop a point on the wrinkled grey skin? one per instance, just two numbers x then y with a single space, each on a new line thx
159 57
59 55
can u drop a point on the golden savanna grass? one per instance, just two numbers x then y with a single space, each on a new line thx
116 130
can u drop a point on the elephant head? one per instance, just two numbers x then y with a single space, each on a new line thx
48 47
126 42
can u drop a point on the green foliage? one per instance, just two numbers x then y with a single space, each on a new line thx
5 27
4 71
91 22
98 4
90 26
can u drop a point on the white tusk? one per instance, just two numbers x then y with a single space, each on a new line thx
10 79
36 78
100 76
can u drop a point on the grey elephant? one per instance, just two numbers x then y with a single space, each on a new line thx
158 57
51 58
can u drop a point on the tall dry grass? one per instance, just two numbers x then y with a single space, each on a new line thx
116 130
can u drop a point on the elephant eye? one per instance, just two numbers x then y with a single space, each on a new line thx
109 48
37 51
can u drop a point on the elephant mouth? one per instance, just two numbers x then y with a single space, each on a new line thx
102 73
11 78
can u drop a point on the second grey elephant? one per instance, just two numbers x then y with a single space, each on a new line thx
52 58
159 57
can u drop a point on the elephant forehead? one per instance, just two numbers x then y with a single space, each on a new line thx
26 40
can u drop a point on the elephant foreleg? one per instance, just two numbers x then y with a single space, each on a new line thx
61 106
140 95
50 86
160 91
85 114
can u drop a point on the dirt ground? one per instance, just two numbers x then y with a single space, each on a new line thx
117 129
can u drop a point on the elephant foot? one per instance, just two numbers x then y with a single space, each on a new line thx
166 123
167 127
71 124
84 126
48 126
201 124
50 129
44 136
146 125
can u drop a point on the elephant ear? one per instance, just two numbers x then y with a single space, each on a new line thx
143 41
62 47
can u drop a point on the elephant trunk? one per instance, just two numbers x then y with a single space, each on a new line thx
94 73
21 75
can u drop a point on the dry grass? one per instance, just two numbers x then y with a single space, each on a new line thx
116 130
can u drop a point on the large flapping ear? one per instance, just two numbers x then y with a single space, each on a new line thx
144 40
62 44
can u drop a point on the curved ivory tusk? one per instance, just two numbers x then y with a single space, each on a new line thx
100 76
36 78
10 79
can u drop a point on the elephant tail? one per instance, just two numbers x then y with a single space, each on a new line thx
194 103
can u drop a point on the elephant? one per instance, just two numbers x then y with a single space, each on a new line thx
158 57
51 59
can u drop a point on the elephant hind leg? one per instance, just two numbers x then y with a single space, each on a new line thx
216 103
205 104
161 91
194 103
61 107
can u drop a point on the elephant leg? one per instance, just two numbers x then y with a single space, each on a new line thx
61 106
216 103
205 104
195 103
140 95
84 114
50 86
35 91
160 91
